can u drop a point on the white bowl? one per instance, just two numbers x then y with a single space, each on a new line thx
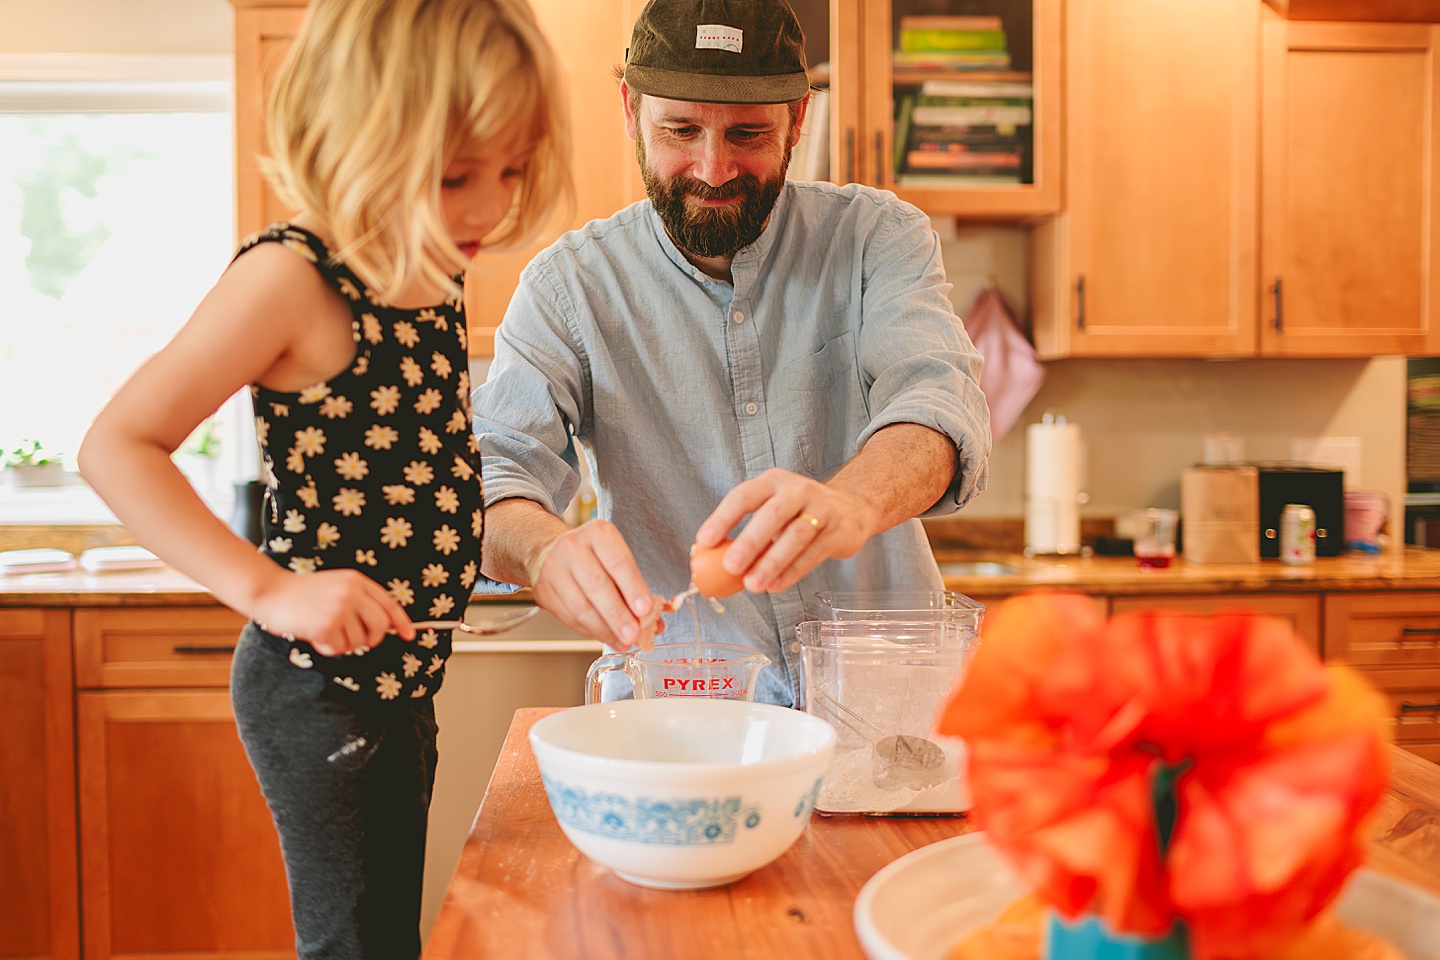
920 906
682 793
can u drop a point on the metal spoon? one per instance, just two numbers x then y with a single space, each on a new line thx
488 628
900 760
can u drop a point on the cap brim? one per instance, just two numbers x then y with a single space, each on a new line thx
715 88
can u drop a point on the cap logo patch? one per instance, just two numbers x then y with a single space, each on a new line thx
717 36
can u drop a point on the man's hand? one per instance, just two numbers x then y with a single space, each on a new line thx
585 576
796 524
588 578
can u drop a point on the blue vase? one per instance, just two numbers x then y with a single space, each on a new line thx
1088 938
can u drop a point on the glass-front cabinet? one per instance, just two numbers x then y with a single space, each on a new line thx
953 104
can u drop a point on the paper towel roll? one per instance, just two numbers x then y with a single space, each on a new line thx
1052 487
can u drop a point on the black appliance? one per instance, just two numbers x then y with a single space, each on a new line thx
1321 488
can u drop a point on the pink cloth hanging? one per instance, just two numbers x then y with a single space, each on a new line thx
1012 375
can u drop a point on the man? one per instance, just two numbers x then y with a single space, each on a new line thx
737 348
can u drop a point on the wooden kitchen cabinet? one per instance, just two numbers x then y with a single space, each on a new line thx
1301 610
1394 640
1176 242
1350 249
1383 10
39 886
178 854
589 39
869 87
1155 252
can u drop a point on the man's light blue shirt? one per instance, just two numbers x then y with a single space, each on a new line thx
679 386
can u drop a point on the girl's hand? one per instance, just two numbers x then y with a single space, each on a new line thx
335 611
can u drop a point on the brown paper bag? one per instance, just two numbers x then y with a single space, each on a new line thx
1221 507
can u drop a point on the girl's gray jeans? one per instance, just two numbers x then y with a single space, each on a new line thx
348 783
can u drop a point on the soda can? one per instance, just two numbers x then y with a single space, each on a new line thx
1297 534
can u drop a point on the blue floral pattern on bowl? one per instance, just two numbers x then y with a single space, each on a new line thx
807 802
643 820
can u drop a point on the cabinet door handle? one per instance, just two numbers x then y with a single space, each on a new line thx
1420 708
201 648
1080 302
849 155
1419 633
879 159
1277 291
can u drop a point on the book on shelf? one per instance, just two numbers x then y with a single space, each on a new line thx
973 139
903 108
998 116
950 22
950 60
811 157
926 100
1004 162
957 179
992 40
978 88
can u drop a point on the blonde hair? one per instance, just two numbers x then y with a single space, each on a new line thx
376 97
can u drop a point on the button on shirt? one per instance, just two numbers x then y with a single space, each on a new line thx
679 386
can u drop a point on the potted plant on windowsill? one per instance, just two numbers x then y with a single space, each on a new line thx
29 464
199 456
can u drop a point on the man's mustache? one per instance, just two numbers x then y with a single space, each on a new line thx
738 187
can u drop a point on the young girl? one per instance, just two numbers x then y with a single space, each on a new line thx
407 132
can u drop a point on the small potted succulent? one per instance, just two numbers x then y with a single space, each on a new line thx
29 464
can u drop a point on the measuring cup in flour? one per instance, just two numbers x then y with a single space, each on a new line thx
725 671
880 683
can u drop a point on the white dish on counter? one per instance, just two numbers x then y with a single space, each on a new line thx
40 560
106 559
919 906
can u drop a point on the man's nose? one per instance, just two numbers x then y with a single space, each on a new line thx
716 164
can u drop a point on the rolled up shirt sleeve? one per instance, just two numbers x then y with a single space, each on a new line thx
915 358
528 409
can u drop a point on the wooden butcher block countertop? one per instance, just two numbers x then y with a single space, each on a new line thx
1409 569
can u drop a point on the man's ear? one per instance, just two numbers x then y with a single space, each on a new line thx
799 124
632 122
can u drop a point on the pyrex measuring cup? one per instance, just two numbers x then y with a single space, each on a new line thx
881 683
725 671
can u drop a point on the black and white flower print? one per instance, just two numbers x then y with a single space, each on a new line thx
378 470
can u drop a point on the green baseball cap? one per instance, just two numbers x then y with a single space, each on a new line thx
718 51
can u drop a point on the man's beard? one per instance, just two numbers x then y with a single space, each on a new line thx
712 231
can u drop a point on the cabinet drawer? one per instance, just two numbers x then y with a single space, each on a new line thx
1301 610
991 602
155 647
1383 629
1414 695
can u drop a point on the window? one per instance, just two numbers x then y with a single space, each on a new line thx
116 216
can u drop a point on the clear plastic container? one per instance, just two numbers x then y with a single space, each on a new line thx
899 605
887 678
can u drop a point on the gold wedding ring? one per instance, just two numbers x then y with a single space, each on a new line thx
813 521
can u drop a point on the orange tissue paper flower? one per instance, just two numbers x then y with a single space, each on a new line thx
1069 717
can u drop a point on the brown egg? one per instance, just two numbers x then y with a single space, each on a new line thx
708 576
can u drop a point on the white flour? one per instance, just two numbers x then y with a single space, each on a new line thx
850 787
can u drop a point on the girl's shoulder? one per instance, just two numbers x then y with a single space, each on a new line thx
279 269
303 251
307 244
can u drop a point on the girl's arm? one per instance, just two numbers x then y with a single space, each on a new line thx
269 319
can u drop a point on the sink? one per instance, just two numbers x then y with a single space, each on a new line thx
977 568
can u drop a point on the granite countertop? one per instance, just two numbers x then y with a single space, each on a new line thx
1411 568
